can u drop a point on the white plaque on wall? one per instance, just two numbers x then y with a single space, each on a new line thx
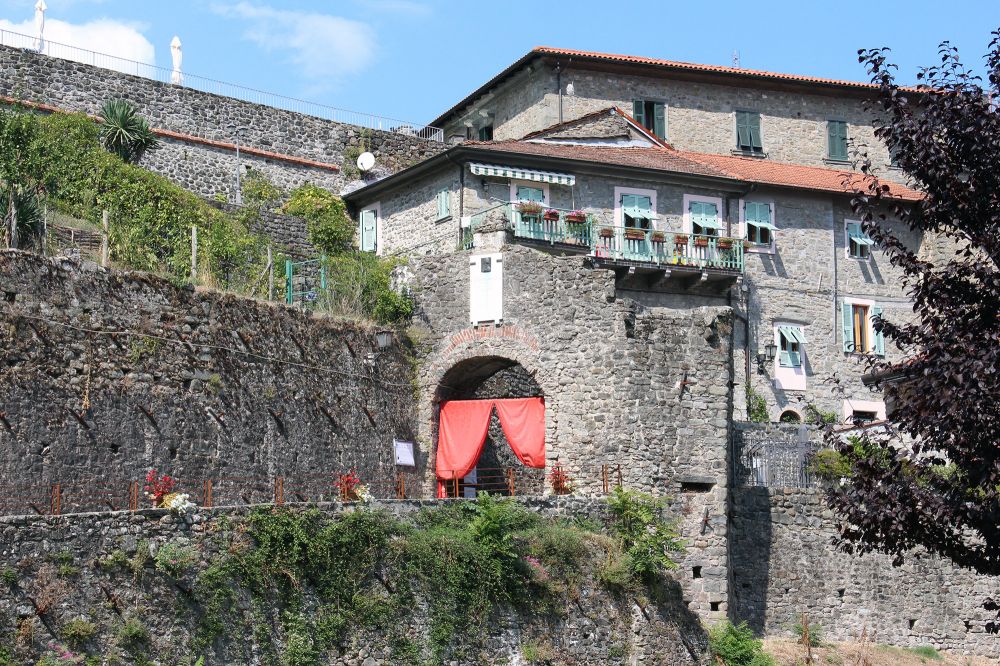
404 453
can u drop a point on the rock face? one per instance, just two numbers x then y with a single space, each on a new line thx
108 374
111 568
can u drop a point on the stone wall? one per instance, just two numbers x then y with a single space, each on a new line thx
640 386
71 563
107 374
209 170
784 564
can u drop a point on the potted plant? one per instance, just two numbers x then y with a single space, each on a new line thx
701 241
576 217
747 245
658 237
552 215
681 239
606 232
529 208
348 484
725 243
635 234
560 480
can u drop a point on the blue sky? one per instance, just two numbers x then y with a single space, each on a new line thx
412 59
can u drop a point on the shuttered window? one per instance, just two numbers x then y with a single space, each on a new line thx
486 133
443 204
369 229
791 339
836 131
858 242
759 229
525 193
637 210
748 132
704 218
651 115
859 334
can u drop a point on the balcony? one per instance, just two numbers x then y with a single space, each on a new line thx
628 250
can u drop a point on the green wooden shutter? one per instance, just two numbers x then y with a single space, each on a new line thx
879 338
444 204
659 120
742 130
753 123
628 201
785 360
848 326
645 205
525 193
639 111
369 228
837 138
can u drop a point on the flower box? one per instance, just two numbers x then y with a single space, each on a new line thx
576 217
658 237
725 243
635 234
529 208
747 245
681 239
701 241
606 232
551 215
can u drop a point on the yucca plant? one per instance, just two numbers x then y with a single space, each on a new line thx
24 214
124 132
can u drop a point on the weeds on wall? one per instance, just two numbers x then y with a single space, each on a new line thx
756 406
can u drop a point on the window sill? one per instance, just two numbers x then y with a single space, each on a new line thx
442 219
760 249
830 160
758 154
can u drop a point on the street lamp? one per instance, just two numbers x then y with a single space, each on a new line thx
763 360
237 130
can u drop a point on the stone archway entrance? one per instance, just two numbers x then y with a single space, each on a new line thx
498 470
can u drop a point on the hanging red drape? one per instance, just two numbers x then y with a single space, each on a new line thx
461 434
523 422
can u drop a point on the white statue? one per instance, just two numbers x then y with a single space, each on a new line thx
40 8
175 52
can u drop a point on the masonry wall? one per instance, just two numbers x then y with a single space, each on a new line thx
784 564
222 388
643 386
203 169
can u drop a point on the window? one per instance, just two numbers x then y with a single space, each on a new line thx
860 336
637 211
528 193
858 242
748 132
443 204
486 133
369 230
836 131
863 416
651 115
704 218
759 228
791 339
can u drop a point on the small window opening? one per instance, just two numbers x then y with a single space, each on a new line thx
790 416
696 486
840 593
859 416
714 605
696 572
913 623
486 133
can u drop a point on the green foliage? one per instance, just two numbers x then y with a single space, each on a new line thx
259 193
360 284
927 652
646 539
329 227
124 132
756 406
9 576
816 415
815 632
537 652
78 632
175 560
737 646
141 347
20 174
830 464
132 635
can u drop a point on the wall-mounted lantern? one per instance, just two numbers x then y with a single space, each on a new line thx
765 359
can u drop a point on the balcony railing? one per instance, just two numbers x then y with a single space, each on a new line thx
558 226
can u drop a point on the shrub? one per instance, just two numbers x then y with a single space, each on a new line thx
329 227
9 576
133 635
77 632
736 645
830 465
645 537
360 284
927 652
756 406
175 560
124 132
815 632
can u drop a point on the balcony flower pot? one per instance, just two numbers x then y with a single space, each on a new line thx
551 215
635 234
576 217
681 239
725 243
529 208
701 241
747 245
658 237
606 232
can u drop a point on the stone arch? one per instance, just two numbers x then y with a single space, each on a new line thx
790 416
484 375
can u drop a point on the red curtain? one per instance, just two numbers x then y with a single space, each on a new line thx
523 422
463 427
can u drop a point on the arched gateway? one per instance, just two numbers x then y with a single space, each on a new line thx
491 429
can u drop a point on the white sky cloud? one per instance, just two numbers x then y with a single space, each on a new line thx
410 7
116 38
322 47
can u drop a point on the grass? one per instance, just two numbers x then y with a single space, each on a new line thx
788 652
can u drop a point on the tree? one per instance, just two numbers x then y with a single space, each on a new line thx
20 175
934 481
124 132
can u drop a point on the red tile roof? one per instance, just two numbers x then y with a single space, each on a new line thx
744 169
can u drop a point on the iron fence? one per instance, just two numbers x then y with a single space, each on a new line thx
216 87
773 458
83 495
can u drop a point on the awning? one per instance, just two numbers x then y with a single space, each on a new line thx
522 174
643 213
763 225
860 238
792 334
707 222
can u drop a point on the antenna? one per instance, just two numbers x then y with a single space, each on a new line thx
366 161
736 58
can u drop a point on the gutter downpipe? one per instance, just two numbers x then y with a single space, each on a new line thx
745 289
559 88
461 189
836 280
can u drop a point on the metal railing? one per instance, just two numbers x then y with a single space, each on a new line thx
83 495
216 87
771 459
616 243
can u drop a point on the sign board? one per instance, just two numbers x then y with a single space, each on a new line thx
486 288
404 453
